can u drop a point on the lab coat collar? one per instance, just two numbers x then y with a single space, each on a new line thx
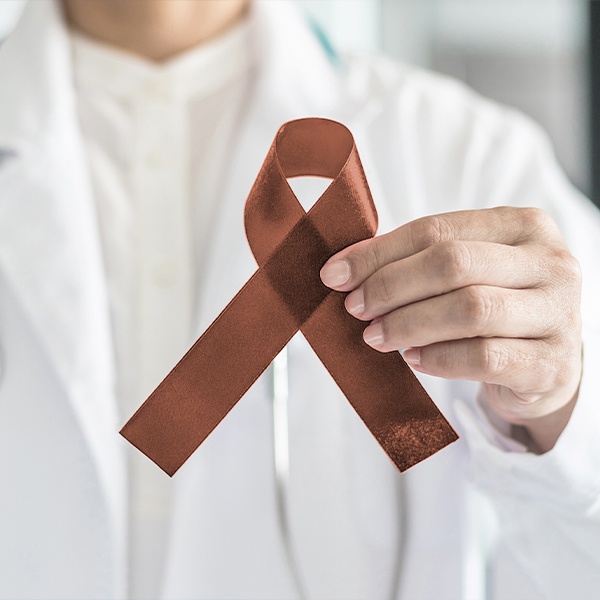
49 246
296 72
36 100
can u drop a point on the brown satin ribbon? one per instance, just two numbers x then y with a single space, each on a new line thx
286 295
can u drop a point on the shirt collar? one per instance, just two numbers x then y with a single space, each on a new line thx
103 69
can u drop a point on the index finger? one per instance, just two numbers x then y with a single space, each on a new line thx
503 225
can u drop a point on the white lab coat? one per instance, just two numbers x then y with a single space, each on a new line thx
428 145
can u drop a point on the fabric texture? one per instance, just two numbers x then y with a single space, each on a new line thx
157 136
285 295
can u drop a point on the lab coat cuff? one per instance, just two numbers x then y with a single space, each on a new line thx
568 475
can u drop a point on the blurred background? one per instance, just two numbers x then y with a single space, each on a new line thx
535 55
530 54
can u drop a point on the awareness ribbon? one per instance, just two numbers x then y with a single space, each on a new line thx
286 295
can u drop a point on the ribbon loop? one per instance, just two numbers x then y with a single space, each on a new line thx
286 295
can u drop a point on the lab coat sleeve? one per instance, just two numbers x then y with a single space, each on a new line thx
548 504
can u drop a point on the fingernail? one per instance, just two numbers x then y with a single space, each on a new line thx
412 356
373 334
355 302
335 273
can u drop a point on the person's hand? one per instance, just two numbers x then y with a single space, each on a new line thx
485 295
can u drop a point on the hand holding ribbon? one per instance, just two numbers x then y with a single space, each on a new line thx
286 295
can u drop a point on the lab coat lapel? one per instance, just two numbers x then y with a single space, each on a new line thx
49 248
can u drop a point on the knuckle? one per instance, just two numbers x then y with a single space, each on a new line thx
552 367
441 362
428 231
563 376
564 267
537 221
476 306
375 257
558 254
571 269
452 262
378 290
494 357
550 313
364 259
440 358
397 330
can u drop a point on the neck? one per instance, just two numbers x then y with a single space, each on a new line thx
154 29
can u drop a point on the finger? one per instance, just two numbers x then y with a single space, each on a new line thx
529 369
488 360
473 311
504 225
443 268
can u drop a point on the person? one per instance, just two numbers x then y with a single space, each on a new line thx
130 135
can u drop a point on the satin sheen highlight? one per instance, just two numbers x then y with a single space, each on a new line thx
286 295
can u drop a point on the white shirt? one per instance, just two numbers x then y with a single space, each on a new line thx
157 136
428 145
